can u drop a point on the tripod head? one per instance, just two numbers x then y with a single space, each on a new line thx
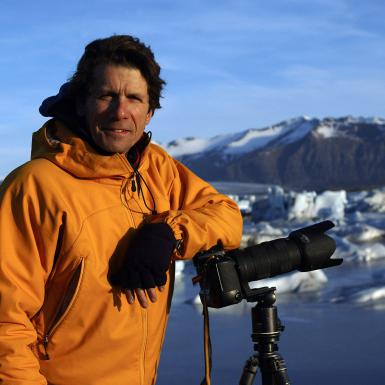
266 333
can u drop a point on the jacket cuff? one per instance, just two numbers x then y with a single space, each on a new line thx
175 227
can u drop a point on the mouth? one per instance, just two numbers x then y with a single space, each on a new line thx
116 130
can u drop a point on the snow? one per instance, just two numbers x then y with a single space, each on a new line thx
187 146
287 131
297 130
327 131
361 119
252 140
246 141
284 132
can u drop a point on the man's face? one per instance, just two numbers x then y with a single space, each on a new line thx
116 108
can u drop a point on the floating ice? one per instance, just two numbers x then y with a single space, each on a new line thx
330 204
245 206
303 206
296 282
360 233
179 269
261 232
306 205
361 252
376 200
371 252
369 295
273 206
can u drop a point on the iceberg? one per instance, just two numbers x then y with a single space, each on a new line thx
297 282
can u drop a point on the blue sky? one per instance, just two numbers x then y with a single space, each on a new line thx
229 65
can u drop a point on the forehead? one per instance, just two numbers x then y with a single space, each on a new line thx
117 76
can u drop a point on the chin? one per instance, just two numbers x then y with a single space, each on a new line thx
113 148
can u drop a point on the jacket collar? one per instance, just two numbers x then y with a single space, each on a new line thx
73 153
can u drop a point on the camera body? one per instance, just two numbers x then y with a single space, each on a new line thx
224 276
221 286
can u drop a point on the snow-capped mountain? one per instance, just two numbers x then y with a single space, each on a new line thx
245 141
298 153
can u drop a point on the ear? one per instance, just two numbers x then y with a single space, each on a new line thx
149 116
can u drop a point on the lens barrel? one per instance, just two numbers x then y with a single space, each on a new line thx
304 250
224 276
267 259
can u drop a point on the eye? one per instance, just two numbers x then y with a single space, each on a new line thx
134 98
105 96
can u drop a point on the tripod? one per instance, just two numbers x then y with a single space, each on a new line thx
266 330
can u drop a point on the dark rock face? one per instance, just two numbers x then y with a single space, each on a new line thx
353 158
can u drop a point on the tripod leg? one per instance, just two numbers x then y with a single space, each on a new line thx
249 371
273 370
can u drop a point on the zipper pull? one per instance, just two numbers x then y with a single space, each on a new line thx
137 177
45 344
133 186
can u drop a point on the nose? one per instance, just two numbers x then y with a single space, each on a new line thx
119 108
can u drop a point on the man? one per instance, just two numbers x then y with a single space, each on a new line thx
90 227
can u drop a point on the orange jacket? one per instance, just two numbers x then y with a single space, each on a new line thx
63 216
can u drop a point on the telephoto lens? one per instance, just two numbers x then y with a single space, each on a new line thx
304 250
224 276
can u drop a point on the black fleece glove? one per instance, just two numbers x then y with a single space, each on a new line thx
147 259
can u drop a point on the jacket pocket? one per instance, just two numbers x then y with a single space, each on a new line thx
65 305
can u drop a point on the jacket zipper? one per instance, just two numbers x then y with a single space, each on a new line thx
136 187
144 344
65 305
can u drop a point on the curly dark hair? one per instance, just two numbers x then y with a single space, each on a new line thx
122 50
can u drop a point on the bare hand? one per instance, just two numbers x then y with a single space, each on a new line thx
142 295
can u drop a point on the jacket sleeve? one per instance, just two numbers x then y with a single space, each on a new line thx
199 215
24 268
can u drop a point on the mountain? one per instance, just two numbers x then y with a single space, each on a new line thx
300 153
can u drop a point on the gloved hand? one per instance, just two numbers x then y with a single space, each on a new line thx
147 259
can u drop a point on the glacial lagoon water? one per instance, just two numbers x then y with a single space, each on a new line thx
334 336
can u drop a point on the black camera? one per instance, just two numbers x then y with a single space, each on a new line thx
224 276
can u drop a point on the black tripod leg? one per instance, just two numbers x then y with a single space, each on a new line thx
249 371
273 370
266 331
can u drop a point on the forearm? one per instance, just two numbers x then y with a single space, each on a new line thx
201 226
200 216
